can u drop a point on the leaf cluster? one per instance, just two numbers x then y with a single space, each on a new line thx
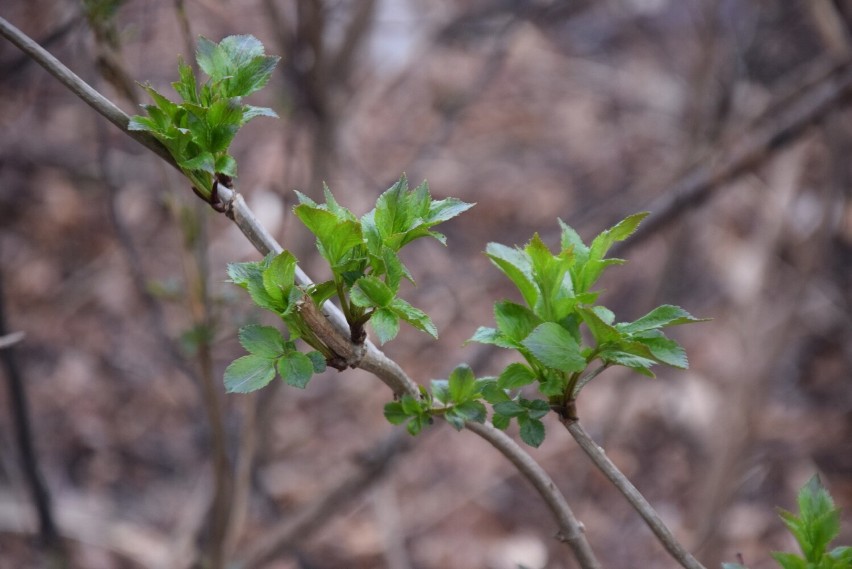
271 285
560 331
456 399
199 130
270 353
363 254
817 524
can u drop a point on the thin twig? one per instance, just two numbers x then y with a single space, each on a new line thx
639 503
374 360
20 412
82 89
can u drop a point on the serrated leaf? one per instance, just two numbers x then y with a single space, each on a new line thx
335 237
491 392
486 335
279 277
395 414
509 408
469 411
385 324
296 369
619 232
842 555
241 273
263 341
555 347
665 350
516 265
446 209
462 384
369 291
262 298
818 518
212 59
416 424
140 123
317 361
536 408
241 49
515 375
410 405
441 391
602 331
250 112
187 87
789 560
532 430
616 356
225 164
501 422
394 269
251 76
515 321
249 373
204 162
570 239
660 317
414 316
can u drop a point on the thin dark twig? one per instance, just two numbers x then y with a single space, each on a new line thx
19 411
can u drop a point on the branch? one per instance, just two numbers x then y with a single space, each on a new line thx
82 89
571 531
20 413
374 361
639 503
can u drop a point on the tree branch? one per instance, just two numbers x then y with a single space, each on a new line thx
639 503
374 361
571 531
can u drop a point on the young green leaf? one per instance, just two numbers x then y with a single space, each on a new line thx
555 347
619 232
414 316
515 321
280 276
660 317
369 291
263 341
296 369
249 373
485 335
385 324
516 265
462 384
395 414
516 375
532 430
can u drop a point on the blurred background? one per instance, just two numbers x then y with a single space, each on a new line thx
728 119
